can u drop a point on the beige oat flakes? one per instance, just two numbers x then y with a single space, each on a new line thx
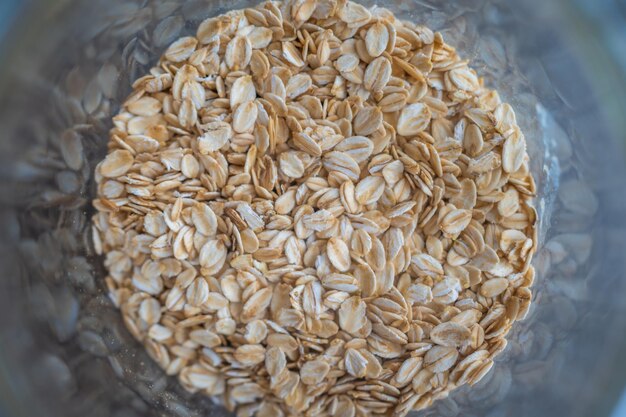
313 208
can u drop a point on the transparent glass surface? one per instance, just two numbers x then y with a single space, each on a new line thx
67 65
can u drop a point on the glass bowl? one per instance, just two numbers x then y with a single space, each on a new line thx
68 64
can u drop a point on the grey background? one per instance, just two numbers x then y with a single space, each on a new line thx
599 28
7 10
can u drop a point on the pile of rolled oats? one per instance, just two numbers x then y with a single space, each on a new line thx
312 208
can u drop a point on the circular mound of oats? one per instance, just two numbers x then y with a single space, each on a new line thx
312 207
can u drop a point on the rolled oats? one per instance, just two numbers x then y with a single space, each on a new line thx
314 208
